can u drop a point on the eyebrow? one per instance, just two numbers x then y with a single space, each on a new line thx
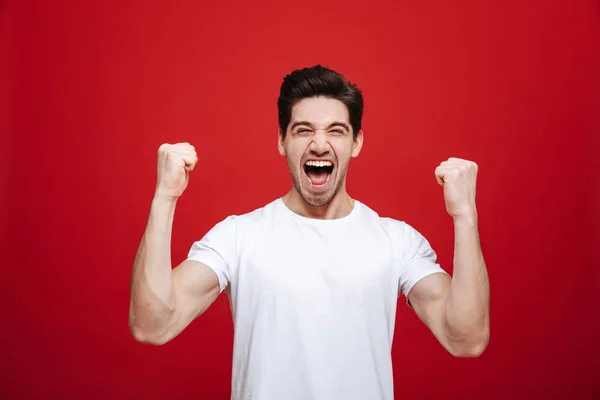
335 123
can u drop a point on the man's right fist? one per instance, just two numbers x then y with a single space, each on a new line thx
174 163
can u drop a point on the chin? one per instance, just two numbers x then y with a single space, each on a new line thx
316 201
318 198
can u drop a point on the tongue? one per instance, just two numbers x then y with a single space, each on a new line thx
317 177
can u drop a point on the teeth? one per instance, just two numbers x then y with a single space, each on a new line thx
319 163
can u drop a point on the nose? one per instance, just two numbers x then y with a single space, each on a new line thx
320 143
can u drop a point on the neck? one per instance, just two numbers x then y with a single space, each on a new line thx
339 207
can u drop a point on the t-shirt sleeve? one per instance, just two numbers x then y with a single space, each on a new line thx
217 250
418 259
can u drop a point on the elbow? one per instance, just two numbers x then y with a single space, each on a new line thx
471 347
142 334
144 337
469 351
138 334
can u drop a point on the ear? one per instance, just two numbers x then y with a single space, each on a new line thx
280 143
358 142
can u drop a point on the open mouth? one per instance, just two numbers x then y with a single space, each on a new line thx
318 172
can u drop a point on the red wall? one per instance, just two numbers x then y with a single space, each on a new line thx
94 88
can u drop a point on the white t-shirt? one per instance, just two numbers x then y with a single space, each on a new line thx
314 301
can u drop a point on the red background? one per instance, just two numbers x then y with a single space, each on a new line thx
93 88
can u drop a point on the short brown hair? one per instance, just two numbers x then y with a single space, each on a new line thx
319 81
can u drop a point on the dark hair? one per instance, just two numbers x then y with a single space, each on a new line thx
319 81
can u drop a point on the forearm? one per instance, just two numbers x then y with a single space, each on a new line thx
152 297
467 307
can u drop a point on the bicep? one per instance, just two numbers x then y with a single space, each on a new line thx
428 298
196 287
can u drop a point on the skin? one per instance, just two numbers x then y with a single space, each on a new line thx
165 301
319 129
456 309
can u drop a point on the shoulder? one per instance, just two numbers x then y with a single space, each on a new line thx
256 215
389 224
251 220
236 230
401 230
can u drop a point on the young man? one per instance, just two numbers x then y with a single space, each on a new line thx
313 277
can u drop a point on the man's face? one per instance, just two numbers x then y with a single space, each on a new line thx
318 147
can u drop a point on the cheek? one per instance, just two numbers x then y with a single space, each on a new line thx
293 156
343 152
295 152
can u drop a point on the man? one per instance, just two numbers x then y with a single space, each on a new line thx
313 277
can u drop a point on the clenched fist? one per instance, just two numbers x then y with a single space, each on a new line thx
175 161
459 178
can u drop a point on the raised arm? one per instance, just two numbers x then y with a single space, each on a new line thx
457 309
163 300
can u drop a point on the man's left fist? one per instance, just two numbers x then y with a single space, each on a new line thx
459 178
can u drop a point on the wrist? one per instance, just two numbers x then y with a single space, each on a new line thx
467 217
161 199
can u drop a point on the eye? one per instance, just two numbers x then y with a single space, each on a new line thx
337 132
303 131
